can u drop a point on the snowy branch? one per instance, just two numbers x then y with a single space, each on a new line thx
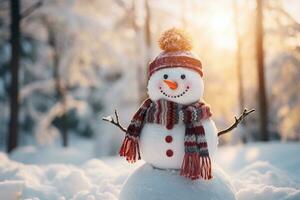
237 121
29 89
31 9
46 131
115 122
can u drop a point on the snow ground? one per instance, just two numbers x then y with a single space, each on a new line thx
259 171
263 171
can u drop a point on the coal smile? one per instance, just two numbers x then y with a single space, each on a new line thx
174 96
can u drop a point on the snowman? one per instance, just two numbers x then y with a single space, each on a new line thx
173 132
172 129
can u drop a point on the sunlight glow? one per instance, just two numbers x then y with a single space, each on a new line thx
220 22
223 30
252 154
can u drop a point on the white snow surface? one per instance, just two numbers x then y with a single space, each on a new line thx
256 171
148 183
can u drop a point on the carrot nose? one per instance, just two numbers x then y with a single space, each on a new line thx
172 84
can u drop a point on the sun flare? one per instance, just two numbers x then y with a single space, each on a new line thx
223 30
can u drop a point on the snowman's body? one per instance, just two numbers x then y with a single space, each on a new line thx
164 148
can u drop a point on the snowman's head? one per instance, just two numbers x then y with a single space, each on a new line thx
180 85
176 73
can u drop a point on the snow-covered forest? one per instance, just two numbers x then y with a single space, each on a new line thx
79 60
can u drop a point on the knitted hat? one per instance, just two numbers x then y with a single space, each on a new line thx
176 46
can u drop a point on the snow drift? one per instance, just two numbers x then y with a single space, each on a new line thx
257 171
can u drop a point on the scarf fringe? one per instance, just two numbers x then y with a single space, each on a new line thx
130 149
195 166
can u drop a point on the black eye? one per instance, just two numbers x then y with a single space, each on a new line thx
182 76
165 76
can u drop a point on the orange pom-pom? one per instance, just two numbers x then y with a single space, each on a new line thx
175 40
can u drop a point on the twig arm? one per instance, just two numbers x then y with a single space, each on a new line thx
115 122
237 121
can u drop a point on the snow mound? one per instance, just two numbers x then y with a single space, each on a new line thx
263 170
11 190
90 181
148 183
261 181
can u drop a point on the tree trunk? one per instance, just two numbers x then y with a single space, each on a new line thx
14 67
148 48
143 45
263 110
148 31
239 66
147 51
60 89
138 52
61 96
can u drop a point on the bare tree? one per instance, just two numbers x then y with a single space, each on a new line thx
61 91
148 30
15 35
14 67
148 44
263 107
239 65
143 44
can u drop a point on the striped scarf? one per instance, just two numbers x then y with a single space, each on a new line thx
196 162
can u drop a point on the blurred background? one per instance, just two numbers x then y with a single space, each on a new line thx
64 64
